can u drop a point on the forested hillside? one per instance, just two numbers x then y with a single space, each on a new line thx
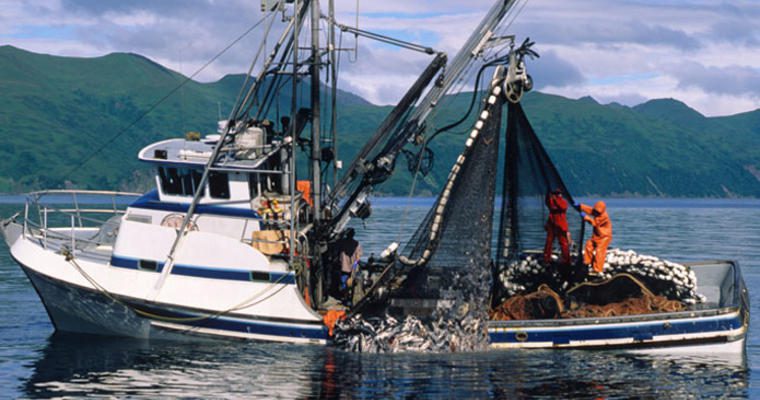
55 112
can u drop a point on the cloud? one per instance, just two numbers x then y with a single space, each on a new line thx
732 80
551 70
381 76
737 31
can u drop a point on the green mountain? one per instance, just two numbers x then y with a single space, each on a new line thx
57 112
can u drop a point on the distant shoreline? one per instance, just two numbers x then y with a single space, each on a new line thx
622 202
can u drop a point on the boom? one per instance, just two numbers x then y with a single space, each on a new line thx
374 164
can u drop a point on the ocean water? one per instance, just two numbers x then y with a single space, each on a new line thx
37 363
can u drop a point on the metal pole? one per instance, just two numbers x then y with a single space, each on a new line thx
44 229
76 207
293 115
334 94
26 218
316 145
73 235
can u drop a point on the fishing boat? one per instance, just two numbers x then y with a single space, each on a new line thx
238 237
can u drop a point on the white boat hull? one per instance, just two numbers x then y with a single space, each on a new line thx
74 309
114 306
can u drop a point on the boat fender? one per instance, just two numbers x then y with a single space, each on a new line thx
391 249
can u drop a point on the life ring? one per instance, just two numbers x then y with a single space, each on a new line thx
176 220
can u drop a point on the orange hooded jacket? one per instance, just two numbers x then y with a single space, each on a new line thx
601 223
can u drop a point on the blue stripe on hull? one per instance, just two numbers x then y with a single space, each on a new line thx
210 272
640 332
237 325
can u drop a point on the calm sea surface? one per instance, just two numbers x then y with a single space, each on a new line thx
34 362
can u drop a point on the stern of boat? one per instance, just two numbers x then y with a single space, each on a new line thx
718 325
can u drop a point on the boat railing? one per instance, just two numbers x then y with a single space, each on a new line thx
72 216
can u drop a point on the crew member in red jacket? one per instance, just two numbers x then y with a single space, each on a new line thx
556 226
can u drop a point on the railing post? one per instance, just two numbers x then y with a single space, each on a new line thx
245 228
73 235
44 227
26 218
76 207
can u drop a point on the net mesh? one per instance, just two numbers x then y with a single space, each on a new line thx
464 235
529 175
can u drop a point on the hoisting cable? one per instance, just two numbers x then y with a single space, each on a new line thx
411 191
238 103
472 100
251 301
150 109
496 61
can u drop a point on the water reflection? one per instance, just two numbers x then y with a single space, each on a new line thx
35 365
77 365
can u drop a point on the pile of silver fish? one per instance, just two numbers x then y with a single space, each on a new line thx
457 324
662 277
665 278
524 276
411 334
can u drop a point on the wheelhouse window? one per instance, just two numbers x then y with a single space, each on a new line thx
219 185
179 181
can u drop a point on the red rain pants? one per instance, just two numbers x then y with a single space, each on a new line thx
561 235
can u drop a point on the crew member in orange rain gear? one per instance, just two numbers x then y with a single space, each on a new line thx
556 226
596 247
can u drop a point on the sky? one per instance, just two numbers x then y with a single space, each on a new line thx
705 53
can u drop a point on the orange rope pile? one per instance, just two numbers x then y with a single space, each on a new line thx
647 303
542 303
545 303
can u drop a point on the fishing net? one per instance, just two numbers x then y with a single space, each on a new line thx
529 175
442 304
463 213
620 295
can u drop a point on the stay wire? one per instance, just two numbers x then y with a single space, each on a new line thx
249 302
160 101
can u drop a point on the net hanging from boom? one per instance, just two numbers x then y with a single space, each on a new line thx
529 176
456 233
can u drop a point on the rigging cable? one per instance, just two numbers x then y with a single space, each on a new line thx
150 109
478 78
249 302
238 103
472 100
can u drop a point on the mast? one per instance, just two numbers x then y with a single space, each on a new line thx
293 118
316 145
334 93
